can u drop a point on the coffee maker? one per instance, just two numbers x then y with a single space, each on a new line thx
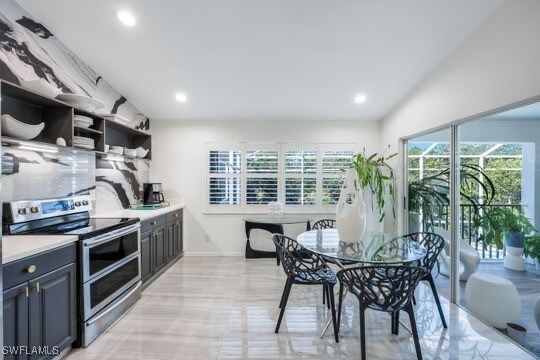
152 194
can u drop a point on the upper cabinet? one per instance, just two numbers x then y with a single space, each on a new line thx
51 119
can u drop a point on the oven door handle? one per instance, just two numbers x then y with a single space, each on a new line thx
100 239
90 322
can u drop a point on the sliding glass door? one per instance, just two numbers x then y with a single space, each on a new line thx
428 195
496 192
500 154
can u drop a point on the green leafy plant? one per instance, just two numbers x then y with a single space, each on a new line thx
495 222
429 195
532 246
375 174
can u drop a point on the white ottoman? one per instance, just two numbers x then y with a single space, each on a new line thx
493 299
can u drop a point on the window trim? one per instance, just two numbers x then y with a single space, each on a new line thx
282 148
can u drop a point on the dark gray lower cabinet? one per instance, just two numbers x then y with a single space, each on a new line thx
146 255
52 314
16 327
178 246
161 243
171 253
40 313
160 248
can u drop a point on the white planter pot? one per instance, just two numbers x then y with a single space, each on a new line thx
351 210
514 259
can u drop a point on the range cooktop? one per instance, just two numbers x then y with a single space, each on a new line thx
74 224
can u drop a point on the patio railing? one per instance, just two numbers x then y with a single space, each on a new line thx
489 252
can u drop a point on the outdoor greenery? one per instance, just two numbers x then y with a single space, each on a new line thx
497 221
375 174
503 166
532 246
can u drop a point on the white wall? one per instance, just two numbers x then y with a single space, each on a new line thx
179 162
496 66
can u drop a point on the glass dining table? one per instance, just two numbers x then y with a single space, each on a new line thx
373 248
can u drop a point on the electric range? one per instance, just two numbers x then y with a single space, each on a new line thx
108 255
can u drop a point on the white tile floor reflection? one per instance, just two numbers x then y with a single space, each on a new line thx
226 308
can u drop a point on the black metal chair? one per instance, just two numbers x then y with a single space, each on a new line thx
324 224
383 288
434 244
303 267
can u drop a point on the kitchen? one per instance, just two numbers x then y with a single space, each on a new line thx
84 229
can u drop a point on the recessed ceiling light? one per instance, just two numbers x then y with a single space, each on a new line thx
360 98
126 17
181 97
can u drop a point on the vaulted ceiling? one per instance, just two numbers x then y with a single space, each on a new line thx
264 59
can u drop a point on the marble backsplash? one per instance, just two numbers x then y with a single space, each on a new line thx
31 171
37 171
119 182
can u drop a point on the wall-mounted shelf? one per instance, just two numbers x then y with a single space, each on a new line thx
32 108
37 145
110 156
120 135
83 130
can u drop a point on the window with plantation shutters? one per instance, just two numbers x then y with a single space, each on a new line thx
224 183
301 177
245 177
333 164
261 176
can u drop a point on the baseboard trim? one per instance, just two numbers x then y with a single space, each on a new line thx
213 253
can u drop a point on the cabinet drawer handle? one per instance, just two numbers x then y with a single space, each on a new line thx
27 292
31 269
175 215
37 286
153 223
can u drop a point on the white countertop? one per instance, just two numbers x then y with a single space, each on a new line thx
15 247
143 214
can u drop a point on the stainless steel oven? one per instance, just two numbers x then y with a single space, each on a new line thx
110 265
109 257
111 275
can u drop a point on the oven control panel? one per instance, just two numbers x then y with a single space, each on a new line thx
22 211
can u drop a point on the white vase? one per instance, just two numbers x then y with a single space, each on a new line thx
351 210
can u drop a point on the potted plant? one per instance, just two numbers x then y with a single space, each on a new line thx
374 173
503 223
532 248
498 223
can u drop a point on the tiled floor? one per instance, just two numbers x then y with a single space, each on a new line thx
226 308
528 286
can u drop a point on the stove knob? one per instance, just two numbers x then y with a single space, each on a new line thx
85 202
34 209
22 211
77 203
